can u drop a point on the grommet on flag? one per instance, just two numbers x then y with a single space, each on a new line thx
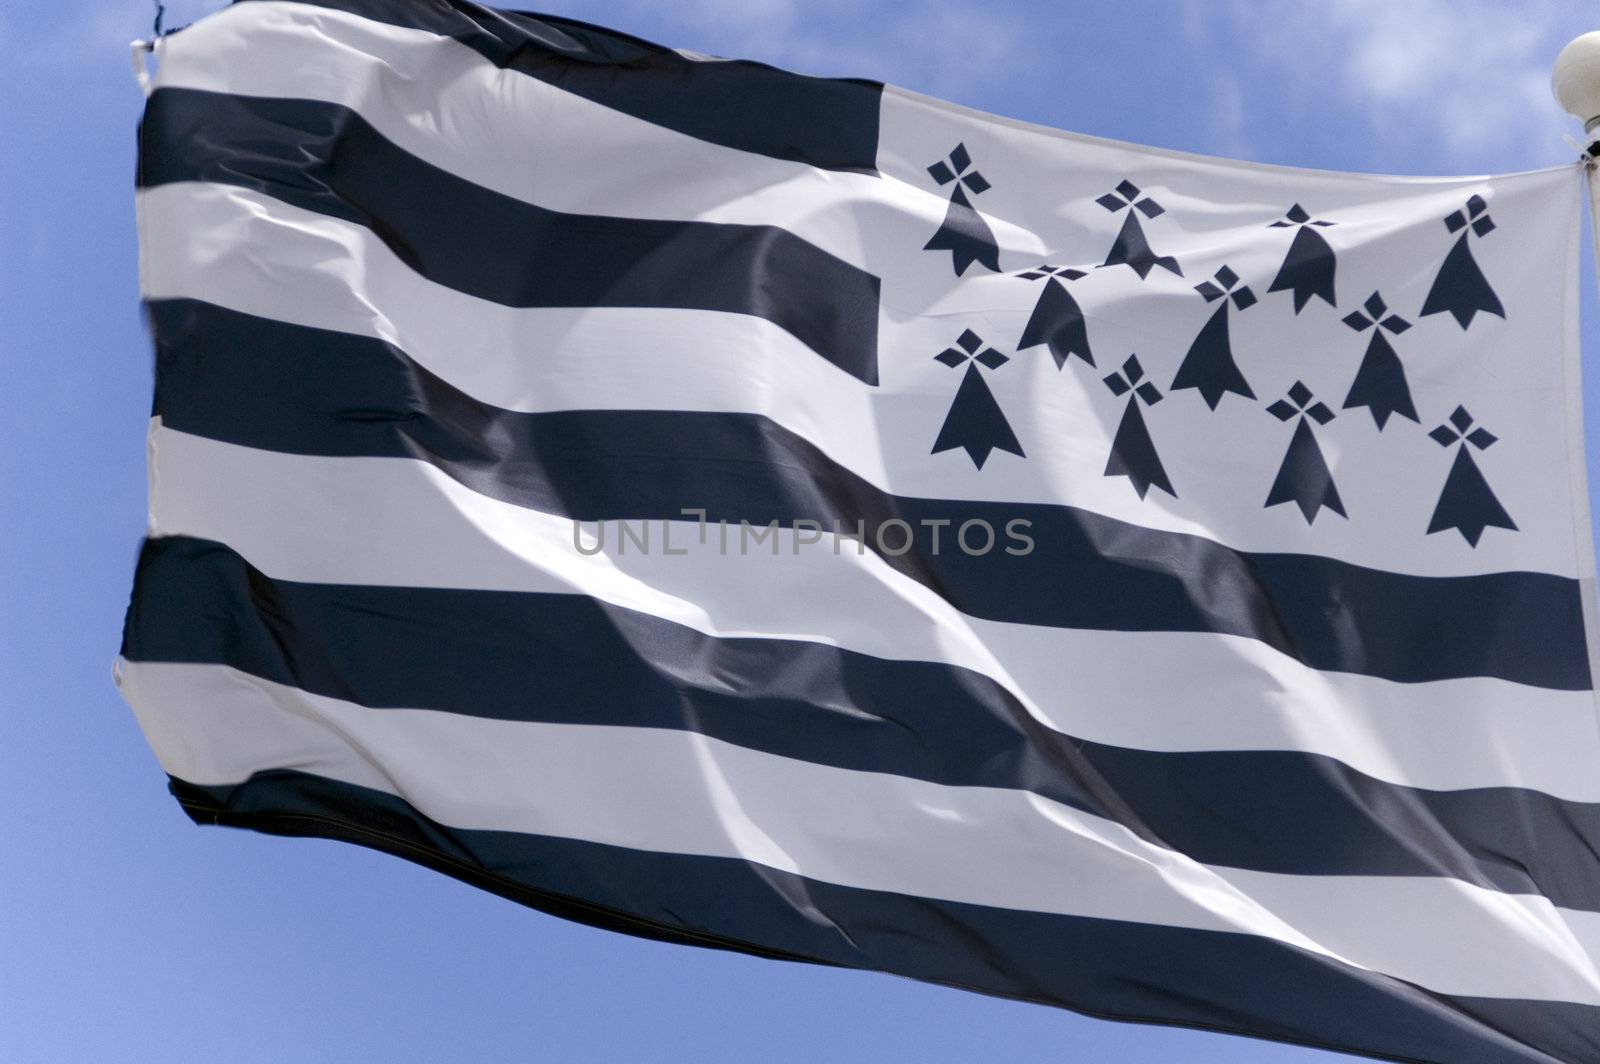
138 50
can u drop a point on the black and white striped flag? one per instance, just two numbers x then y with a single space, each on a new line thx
804 517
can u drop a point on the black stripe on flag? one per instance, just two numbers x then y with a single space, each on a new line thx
1234 983
570 659
326 158
830 123
265 384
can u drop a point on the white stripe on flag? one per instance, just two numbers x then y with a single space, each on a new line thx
671 791
528 139
398 522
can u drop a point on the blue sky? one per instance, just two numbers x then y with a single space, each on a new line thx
126 934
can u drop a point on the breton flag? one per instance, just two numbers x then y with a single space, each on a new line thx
803 517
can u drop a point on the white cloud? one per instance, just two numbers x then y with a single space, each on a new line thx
1470 78
943 47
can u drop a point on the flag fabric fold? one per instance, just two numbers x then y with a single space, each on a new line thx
559 479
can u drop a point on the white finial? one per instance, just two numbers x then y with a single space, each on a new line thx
1576 79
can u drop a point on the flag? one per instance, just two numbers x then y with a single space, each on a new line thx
803 517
